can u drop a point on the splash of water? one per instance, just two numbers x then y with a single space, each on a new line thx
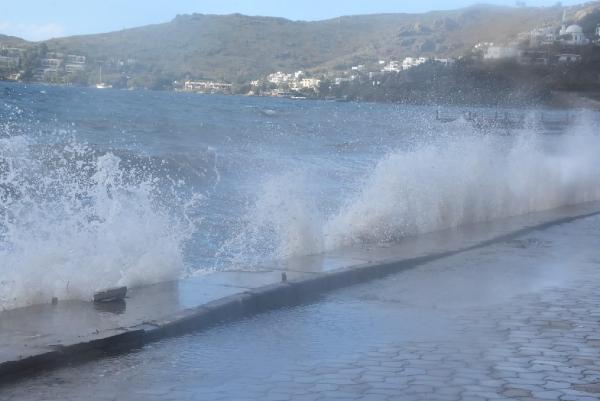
73 221
454 181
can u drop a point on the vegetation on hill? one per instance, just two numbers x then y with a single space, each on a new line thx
470 82
238 48
12 41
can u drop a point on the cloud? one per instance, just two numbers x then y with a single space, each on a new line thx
32 31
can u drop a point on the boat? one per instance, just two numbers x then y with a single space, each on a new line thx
102 85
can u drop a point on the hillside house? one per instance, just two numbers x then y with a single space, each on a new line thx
52 63
310 83
279 78
392 66
207 87
410 62
543 36
573 36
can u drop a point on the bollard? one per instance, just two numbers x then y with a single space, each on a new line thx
283 277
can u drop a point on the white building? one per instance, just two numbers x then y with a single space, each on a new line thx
51 62
310 83
207 87
574 36
279 78
341 80
55 55
392 66
71 68
500 52
75 59
543 36
411 62
445 61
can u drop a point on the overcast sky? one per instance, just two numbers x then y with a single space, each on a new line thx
43 19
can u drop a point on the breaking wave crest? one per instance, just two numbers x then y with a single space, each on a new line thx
457 180
73 221
76 218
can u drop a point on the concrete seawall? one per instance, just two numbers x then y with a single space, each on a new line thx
50 336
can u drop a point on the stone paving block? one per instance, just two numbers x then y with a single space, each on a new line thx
306 397
515 392
372 378
592 388
277 396
556 385
472 398
320 387
373 397
578 398
549 395
340 395
413 371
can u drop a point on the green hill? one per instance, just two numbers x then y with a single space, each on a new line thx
239 48
10 41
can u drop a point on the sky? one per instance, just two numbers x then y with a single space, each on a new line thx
44 19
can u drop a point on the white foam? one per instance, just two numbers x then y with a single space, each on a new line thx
456 180
74 222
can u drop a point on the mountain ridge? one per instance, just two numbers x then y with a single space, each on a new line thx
238 48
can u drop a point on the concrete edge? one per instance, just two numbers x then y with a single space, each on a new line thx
239 306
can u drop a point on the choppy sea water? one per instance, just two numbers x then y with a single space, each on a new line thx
103 188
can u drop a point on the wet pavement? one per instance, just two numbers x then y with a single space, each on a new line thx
515 320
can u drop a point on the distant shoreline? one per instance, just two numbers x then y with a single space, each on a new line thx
564 100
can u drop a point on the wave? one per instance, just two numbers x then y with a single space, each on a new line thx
76 218
458 179
73 221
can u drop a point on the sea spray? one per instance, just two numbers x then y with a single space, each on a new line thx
456 179
95 193
466 181
73 221
285 210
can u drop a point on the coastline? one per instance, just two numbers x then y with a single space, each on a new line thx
559 100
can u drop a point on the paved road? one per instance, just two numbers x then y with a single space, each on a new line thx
517 320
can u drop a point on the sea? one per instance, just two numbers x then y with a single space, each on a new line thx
100 188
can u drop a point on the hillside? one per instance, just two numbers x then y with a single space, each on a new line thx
10 41
238 48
